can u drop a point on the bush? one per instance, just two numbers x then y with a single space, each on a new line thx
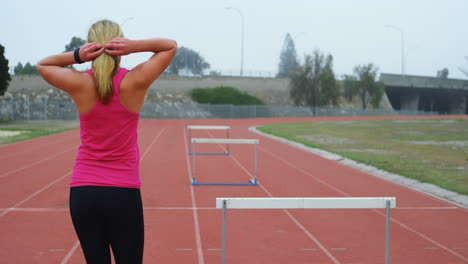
223 95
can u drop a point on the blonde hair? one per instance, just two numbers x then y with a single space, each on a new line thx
104 66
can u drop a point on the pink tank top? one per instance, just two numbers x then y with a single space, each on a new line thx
108 154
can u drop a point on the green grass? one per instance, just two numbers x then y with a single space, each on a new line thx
432 151
34 129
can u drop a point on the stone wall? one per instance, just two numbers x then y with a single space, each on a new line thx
167 89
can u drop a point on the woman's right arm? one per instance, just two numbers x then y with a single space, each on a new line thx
143 75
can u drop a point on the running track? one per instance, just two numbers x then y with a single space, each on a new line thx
182 226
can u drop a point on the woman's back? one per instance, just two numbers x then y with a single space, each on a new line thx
108 155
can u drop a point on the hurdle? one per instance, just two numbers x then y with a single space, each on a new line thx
308 203
190 128
224 141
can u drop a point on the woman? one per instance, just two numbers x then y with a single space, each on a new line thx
105 200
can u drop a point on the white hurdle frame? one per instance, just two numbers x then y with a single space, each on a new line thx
190 128
308 203
224 141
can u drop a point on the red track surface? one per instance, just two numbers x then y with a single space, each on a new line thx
182 226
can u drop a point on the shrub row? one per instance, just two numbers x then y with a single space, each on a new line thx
223 95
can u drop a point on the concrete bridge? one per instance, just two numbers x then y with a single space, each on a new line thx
409 92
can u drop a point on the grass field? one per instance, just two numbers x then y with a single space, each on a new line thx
32 129
431 151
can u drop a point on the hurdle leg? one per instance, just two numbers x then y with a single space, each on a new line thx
223 256
193 167
387 234
227 144
255 162
189 140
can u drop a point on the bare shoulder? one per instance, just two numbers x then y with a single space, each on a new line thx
132 97
142 76
66 79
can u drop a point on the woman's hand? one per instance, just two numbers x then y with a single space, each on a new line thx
119 47
90 51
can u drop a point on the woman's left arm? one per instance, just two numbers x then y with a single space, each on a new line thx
53 70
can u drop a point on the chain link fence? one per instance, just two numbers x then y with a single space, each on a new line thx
22 108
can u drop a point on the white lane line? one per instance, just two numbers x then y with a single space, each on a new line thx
36 210
34 194
312 237
70 253
154 140
425 237
401 185
51 157
426 208
48 210
37 162
304 172
201 259
392 219
32 140
179 208
33 209
16 153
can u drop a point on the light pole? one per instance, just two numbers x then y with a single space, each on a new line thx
126 20
402 47
242 41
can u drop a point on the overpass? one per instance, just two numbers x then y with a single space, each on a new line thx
409 92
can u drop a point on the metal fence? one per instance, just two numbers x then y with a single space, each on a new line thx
22 108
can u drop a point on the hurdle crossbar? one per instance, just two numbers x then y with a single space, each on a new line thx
190 128
194 141
308 203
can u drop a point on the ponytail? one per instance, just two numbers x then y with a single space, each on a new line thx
104 66
104 69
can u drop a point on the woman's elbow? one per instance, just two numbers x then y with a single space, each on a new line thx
41 68
174 44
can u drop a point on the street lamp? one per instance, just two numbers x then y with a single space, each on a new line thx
126 20
402 47
242 41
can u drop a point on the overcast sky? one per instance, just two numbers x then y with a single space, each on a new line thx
353 31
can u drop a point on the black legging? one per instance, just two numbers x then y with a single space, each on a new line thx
108 216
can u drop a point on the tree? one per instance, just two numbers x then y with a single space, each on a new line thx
30 69
26 69
76 42
188 59
330 90
314 82
18 69
443 74
5 77
350 86
364 84
287 57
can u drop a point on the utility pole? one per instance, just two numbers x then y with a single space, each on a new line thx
242 38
